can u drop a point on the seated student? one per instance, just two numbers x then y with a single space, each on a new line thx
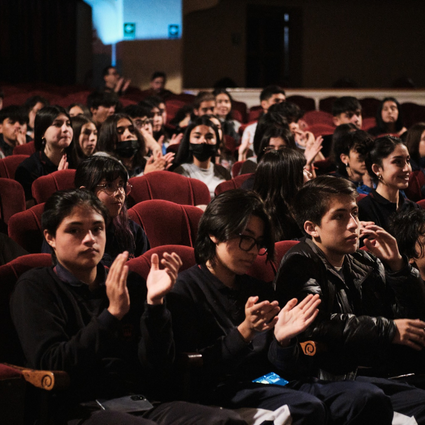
388 119
76 109
278 177
371 302
204 104
229 317
119 136
415 142
158 113
157 85
33 104
52 136
388 163
408 227
13 124
97 325
345 110
85 139
196 154
268 97
102 105
223 109
114 83
349 152
107 178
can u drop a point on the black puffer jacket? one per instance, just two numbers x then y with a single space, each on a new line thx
355 320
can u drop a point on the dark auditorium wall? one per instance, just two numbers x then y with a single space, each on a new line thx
373 43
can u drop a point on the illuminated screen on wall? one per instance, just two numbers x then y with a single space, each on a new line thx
117 20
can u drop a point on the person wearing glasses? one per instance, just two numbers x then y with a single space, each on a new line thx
107 178
227 316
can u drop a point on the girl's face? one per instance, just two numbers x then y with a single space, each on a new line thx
217 123
75 110
112 195
126 130
389 112
202 134
232 257
59 134
422 145
223 105
80 239
157 119
395 169
88 138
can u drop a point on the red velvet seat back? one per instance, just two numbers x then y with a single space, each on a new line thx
416 181
141 265
45 186
169 186
234 183
27 149
25 228
10 350
9 165
166 222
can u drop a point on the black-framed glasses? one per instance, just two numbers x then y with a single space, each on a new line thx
246 243
112 188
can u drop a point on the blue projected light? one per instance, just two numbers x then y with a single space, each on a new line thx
117 20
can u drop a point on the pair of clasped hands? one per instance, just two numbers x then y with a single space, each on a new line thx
158 283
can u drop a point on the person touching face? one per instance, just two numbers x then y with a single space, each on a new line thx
58 135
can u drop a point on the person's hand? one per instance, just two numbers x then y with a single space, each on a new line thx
175 139
312 148
160 282
295 318
119 84
126 83
168 158
63 163
158 162
116 287
258 317
382 245
21 138
411 333
151 143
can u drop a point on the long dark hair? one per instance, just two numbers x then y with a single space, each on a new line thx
90 172
413 138
278 178
380 122
108 138
77 154
184 155
218 91
273 132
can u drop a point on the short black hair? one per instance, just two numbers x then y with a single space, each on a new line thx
345 104
158 74
269 91
289 110
312 202
101 98
225 217
202 96
137 111
14 113
105 70
406 225
358 140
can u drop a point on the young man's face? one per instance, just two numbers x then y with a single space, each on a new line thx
349 117
275 98
100 114
157 84
33 113
205 108
10 130
338 232
355 161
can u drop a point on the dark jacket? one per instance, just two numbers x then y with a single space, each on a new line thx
355 319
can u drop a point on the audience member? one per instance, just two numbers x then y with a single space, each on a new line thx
372 303
388 164
102 105
114 83
223 109
196 154
33 104
13 125
97 325
157 85
85 139
349 152
76 109
119 136
415 142
268 96
204 104
52 136
107 178
388 119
